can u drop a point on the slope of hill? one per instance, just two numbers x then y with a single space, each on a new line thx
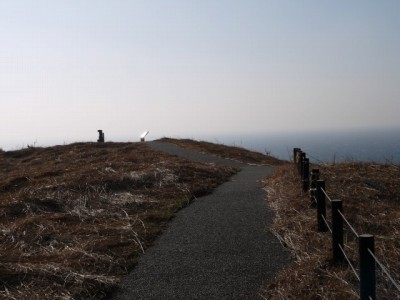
370 194
75 218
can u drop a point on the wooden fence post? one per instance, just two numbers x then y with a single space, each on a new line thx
367 267
321 207
300 166
337 231
306 175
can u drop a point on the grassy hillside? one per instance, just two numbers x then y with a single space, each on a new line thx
371 202
75 218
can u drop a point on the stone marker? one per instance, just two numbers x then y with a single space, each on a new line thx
101 136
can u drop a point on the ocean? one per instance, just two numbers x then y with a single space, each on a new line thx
370 145
366 145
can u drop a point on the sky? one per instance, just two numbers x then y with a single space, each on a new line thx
188 68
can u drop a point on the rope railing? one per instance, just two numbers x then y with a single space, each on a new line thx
348 224
327 224
326 195
350 264
316 159
318 194
384 270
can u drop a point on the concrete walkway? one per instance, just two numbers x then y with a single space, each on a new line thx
216 248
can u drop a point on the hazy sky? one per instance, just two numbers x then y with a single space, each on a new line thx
186 67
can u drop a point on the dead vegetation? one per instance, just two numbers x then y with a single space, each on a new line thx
229 152
371 202
75 218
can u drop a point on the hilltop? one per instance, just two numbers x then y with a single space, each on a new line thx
75 218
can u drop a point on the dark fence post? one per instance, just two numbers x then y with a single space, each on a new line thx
302 156
306 175
313 185
321 207
367 267
337 231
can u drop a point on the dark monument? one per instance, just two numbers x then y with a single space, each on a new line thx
101 136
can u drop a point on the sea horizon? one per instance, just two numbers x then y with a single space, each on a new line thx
380 145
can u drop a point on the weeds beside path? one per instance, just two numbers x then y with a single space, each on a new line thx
370 194
216 248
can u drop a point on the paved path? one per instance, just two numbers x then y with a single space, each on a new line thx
216 248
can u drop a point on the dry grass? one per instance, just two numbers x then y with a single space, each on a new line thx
229 152
371 198
75 218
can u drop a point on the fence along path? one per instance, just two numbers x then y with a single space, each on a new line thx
216 248
367 260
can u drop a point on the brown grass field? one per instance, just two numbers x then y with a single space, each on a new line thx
371 198
75 218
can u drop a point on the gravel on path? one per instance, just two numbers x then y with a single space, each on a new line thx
216 248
